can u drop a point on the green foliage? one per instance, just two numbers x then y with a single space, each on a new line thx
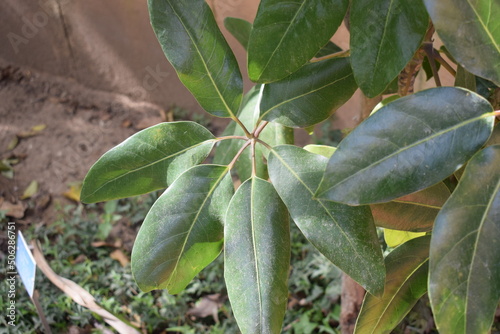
391 162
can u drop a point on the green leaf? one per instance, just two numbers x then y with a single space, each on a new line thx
310 95
465 79
328 49
239 28
281 26
426 66
183 231
408 145
273 134
470 29
464 280
147 161
384 37
323 150
193 44
415 212
257 257
345 235
406 281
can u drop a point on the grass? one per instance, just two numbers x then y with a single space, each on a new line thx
67 245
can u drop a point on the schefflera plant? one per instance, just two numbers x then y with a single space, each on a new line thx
387 172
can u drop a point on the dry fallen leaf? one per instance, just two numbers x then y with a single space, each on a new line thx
119 256
209 305
31 190
78 294
11 209
74 192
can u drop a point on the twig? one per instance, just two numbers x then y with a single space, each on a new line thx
429 52
259 129
254 162
340 54
444 63
231 164
237 120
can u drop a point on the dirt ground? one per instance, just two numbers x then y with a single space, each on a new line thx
74 126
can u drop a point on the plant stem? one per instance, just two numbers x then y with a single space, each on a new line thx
264 143
340 54
444 63
231 164
254 162
237 120
259 129
429 52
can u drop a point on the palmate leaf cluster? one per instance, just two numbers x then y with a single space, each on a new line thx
392 171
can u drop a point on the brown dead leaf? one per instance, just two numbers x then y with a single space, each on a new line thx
119 256
12 210
116 244
79 259
209 305
31 190
126 123
42 202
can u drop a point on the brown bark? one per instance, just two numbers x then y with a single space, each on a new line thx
351 300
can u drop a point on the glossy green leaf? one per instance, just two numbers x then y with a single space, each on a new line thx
193 44
415 212
465 79
323 150
384 37
273 134
470 29
257 257
464 280
281 26
334 229
147 161
183 232
239 28
406 281
408 145
310 95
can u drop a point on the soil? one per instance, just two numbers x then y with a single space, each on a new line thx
81 124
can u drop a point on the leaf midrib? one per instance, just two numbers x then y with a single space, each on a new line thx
476 243
322 205
209 74
302 95
282 38
252 226
485 27
193 223
149 165
408 147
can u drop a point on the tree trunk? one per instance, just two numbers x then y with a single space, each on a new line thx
351 300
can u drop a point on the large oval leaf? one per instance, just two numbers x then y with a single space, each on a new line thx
408 145
406 281
384 37
470 29
415 212
345 235
183 231
310 95
257 257
281 26
464 281
147 161
193 44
